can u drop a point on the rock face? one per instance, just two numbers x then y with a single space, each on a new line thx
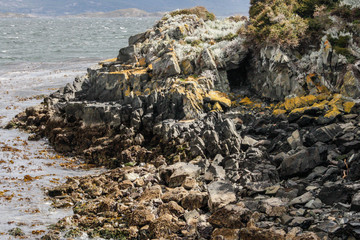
192 156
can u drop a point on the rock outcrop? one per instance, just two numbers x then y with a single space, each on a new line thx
193 157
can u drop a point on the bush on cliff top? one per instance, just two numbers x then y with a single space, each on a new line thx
298 23
199 11
274 22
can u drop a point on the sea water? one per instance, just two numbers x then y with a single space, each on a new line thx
37 56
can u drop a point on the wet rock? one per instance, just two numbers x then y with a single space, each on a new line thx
220 193
301 162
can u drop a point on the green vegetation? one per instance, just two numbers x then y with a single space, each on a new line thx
228 37
302 23
201 12
340 45
274 22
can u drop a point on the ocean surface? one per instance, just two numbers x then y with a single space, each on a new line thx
62 39
37 56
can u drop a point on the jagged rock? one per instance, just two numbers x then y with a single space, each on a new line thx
327 133
166 66
164 226
171 208
180 172
127 54
230 216
214 172
194 200
328 227
141 216
220 193
334 193
306 197
355 202
295 140
225 233
301 162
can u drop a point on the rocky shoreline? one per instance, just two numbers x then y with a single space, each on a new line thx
194 157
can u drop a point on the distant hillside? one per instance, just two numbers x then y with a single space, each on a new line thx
130 12
15 15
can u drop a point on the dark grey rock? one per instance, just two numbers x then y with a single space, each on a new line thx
334 193
355 202
300 162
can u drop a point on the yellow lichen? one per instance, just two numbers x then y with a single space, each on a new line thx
220 97
348 106
217 107
127 91
333 113
277 112
142 62
108 60
246 101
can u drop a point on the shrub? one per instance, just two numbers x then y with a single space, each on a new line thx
201 12
274 22
306 8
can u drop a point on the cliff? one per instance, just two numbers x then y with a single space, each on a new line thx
222 129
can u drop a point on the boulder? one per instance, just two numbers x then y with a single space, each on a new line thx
220 193
166 66
230 216
127 54
355 202
225 233
327 133
334 193
300 163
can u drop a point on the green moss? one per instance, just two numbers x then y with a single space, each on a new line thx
306 8
341 41
200 12
107 234
130 164
346 53
195 43
73 233
228 37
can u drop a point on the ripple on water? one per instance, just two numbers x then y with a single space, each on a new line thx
28 168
